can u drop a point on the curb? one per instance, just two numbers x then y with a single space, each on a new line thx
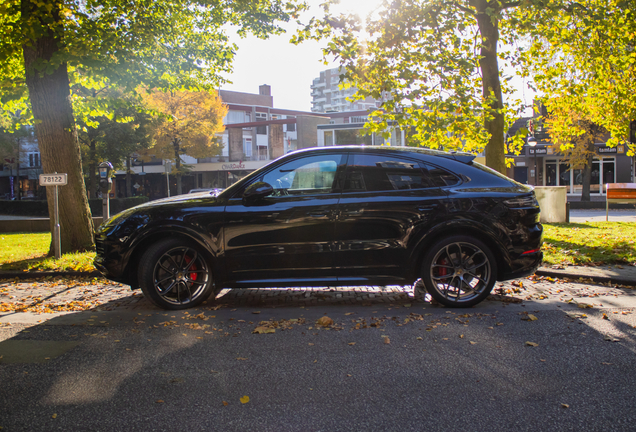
34 275
603 279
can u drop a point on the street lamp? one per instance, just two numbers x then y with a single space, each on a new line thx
532 142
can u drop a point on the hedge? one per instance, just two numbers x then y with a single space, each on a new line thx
38 208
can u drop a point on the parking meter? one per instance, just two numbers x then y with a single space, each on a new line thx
105 184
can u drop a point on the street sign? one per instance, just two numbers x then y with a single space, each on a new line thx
53 179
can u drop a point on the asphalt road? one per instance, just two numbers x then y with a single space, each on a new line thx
402 366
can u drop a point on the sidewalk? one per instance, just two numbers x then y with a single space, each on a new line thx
616 274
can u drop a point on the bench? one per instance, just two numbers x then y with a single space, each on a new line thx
622 193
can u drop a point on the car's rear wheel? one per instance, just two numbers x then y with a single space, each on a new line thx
459 271
174 274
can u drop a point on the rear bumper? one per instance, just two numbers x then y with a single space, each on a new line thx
524 266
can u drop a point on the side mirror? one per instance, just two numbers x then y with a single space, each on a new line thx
256 191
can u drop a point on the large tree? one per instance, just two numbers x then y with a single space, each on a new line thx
159 43
188 124
435 64
583 60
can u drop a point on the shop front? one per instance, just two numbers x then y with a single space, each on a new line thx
542 166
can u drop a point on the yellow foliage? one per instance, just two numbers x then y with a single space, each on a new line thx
188 123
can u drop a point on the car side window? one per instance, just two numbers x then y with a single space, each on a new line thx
305 176
440 177
369 172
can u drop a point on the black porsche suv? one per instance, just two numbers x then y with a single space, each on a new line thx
332 216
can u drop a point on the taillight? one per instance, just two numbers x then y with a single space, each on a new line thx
522 201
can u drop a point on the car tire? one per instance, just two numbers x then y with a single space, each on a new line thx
175 274
459 271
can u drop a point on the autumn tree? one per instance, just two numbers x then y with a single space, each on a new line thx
112 125
161 43
436 66
583 60
188 124
574 135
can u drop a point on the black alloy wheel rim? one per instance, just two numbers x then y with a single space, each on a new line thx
460 272
180 275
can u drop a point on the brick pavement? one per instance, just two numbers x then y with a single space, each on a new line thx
74 294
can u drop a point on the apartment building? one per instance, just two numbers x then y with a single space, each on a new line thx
328 97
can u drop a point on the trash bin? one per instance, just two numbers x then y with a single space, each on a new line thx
553 202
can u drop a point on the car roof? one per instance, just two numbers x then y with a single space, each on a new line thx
458 156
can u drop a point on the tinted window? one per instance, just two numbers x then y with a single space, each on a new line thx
310 175
368 172
440 177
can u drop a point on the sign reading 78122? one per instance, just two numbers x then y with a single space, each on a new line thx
52 179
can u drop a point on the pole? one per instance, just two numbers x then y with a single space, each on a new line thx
105 207
168 184
57 243
536 171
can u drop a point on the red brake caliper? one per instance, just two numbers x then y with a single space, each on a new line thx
193 276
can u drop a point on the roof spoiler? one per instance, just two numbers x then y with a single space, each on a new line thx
460 156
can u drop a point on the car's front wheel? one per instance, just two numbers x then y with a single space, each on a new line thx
174 274
459 271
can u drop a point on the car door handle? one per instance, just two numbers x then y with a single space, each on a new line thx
319 213
426 208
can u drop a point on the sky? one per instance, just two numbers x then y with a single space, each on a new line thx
290 69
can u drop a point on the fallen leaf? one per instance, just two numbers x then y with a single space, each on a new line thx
419 338
263 330
311 344
241 358
352 343
532 317
532 344
386 339
472 343
256 312
610 338
461 336
245 399
225 403
349 313
565 405
584 305
605 363
54 416
159 401
605 317
324 321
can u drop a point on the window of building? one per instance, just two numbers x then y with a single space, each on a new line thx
34 159
261 130
247 147
291 127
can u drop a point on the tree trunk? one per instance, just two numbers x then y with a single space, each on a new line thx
92 170
128 177
49 94
489 65
177 164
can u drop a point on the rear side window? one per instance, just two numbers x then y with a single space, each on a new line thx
369 172
440 177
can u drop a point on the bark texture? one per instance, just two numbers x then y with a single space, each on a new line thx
49 94
489 65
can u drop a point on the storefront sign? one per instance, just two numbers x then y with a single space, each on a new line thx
539 151
233 166
607 150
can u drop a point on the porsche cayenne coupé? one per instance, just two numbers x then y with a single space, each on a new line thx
332 216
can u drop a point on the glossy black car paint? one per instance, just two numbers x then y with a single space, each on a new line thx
339 238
